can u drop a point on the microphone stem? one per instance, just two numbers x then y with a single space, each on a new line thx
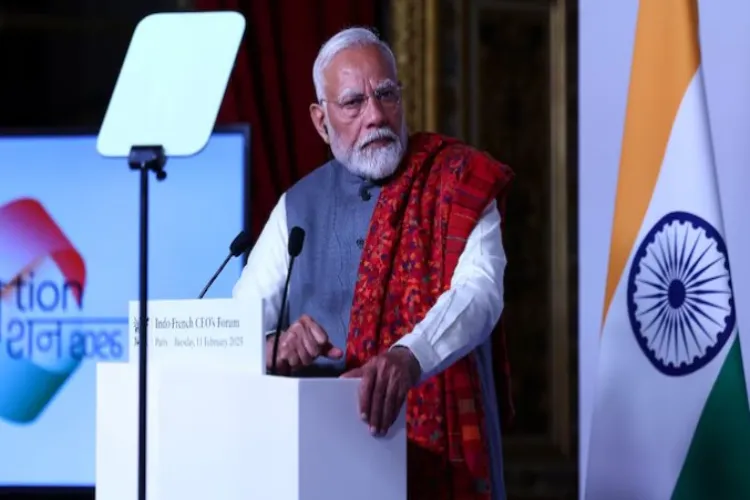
277 333
216 275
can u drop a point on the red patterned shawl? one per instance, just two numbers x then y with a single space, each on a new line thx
418 230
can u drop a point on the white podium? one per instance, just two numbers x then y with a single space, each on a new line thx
220 428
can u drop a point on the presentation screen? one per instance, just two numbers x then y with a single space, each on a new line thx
69 236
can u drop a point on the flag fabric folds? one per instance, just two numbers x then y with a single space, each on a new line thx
671 417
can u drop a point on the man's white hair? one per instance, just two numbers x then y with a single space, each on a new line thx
346 39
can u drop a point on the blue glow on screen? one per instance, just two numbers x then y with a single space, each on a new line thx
68 216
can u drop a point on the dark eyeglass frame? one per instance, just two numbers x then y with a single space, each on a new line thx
388 97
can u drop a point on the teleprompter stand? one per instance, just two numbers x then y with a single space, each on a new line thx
145 159
168 94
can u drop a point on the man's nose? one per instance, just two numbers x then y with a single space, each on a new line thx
374 113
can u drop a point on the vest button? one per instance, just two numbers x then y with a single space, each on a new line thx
360 243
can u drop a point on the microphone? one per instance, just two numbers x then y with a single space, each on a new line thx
239 245
294 247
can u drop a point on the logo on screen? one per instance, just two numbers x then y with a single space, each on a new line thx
137 330
45 333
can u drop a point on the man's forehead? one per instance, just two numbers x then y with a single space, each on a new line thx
354 67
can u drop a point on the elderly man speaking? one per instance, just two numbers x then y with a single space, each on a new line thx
401 279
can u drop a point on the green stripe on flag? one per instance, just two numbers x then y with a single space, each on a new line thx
717 466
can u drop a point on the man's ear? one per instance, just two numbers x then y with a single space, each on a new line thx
318 117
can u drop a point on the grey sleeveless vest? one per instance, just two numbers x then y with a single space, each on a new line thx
334 208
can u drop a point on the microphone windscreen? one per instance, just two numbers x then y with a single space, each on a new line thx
296 240
240 244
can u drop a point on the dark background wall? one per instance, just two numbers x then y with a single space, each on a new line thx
59 59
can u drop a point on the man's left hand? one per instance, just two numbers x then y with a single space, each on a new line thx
386 380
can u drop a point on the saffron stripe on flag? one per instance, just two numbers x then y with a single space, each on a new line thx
649 118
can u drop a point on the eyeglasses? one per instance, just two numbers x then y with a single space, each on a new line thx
388 97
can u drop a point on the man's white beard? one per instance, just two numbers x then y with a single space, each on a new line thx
373 163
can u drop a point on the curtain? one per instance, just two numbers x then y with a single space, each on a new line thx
271 87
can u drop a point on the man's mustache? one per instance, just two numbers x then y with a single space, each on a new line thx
377 135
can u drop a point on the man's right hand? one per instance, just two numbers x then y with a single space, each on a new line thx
300 345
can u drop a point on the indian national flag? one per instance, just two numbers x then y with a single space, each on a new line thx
671 417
